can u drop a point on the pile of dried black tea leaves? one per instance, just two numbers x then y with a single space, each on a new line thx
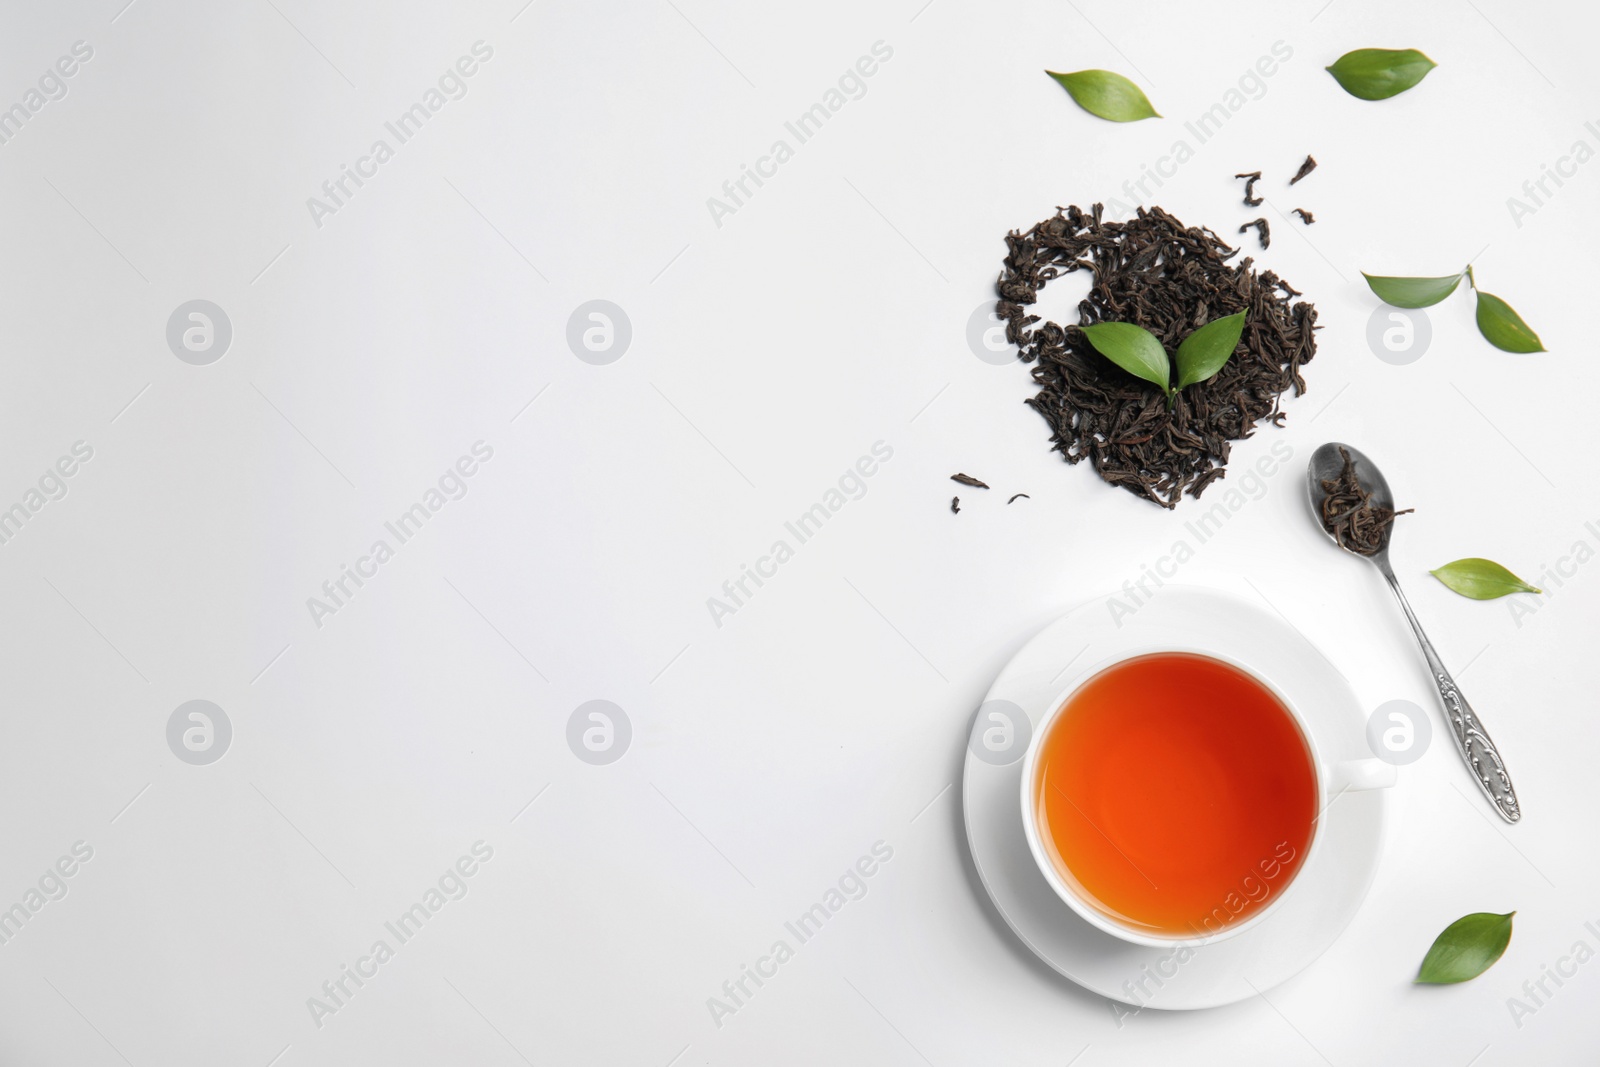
1171 279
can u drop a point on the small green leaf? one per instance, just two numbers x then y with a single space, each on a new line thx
1481 579
1503 327
1379 73
1134 349
1204 352
1468 947
1412 292
1108 95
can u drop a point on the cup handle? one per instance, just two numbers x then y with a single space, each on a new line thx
1352 775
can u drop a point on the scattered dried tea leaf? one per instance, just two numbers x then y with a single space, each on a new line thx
1305 168
1467 947
1019 496
967 479
955 505
1250 179
1481 579
1305 216
1107 95
1262 231
1379 73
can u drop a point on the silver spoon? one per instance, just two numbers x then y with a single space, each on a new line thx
1477 750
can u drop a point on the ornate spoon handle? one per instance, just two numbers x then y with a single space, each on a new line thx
1472 741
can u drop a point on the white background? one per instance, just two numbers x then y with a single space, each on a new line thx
768 353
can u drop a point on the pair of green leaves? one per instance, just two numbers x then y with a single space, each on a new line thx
1379 73
1467 947
1481 579
1368 73
1107 95
1140 353
1499 324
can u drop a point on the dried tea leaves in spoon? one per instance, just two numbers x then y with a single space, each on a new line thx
1349 514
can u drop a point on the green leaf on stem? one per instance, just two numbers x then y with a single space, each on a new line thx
1503 327
1412 292
1204 352
1134 349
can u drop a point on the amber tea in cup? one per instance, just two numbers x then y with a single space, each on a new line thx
1175 794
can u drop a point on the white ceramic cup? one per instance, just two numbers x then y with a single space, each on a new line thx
1332 777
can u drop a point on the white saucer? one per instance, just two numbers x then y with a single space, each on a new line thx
1329 887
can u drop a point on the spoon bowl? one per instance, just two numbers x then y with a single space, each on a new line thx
1326 463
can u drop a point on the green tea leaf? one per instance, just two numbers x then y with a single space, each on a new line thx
1468 947
1379 73
1412 292
1481 579
1503 327
1134 349
1204 352
1108 95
